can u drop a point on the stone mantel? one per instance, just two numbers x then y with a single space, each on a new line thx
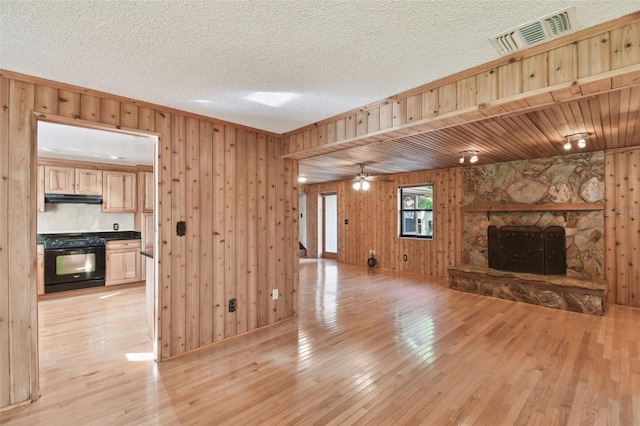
534 208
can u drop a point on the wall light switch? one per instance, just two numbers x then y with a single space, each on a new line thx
181 228
274 294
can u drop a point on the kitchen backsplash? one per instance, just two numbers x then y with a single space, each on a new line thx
81 218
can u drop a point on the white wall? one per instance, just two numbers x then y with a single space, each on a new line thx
331 223
81 218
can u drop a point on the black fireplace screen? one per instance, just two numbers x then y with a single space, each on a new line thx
528 249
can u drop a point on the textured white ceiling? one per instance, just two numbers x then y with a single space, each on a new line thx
334 56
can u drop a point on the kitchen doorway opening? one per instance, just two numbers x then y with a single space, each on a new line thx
67 141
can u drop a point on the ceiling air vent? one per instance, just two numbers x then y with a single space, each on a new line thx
544 29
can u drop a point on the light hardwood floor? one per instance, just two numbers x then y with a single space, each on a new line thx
370 347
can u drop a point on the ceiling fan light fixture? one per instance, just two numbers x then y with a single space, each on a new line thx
361 179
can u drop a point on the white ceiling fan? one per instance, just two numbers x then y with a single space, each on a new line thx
361 180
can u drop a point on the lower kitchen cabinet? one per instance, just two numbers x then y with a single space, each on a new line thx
40 272
123 262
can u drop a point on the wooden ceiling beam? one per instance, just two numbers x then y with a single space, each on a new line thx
508 107
564 71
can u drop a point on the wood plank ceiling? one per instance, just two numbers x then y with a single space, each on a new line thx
612 120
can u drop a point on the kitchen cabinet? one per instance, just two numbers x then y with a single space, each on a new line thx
147 191
123 262
147 230
119 192
72 180
147 233
40 269
150 295
144 219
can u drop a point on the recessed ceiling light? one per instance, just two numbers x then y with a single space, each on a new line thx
302 178
115 157
202 101
272 99
48 149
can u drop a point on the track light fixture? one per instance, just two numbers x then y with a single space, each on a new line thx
580 139
471 155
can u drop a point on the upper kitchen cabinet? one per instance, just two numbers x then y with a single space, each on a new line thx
119 192
147 189
88 182
71 180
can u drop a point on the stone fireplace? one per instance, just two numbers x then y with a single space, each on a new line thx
534 231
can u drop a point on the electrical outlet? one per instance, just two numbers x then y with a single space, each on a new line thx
274 294
404 257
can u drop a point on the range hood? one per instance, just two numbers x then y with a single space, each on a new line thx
72 198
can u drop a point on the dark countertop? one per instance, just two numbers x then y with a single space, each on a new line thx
108 235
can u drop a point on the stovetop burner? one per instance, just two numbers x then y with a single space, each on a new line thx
72 241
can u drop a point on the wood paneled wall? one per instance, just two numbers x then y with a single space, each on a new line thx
588 62
18 315
373 223
231 186
622 226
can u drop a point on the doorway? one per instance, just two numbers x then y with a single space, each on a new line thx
329 215
81 142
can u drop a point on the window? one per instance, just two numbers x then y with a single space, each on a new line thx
416 211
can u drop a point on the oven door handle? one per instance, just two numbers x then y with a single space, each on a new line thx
76 250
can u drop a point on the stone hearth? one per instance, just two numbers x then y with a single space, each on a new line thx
559 292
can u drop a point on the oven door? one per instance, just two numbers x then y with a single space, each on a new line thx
84 266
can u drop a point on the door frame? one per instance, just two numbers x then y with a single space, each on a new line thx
36 117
